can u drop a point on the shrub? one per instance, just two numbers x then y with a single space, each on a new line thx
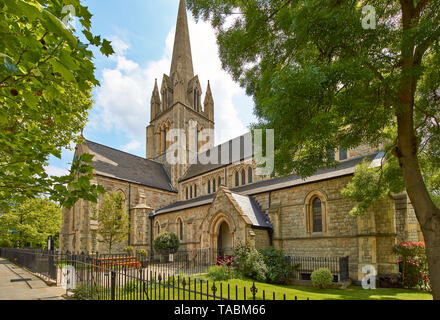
322 278
225 261
166 243
5 244
250 263
143 254
130 287
222 273
279 270
414 265
129 250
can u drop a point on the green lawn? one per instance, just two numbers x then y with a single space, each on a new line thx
236 289
352 293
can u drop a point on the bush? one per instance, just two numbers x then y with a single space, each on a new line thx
322 278
143 253
166 243
222 273
129 250
5 244
130 287
414 265
250 263
279 270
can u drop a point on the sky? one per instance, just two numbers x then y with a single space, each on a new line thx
142 35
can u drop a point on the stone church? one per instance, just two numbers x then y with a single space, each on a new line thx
221 205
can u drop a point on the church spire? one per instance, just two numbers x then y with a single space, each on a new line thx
182 57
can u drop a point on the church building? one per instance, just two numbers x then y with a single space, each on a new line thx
219 206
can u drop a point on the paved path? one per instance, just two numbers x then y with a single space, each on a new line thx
36 289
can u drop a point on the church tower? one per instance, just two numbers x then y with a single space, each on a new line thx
177 105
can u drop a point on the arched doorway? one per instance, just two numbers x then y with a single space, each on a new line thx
224 240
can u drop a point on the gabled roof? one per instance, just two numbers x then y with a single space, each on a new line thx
345 168
250 207
112 163
242 146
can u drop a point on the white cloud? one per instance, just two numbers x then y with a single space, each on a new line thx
56 171
123 100
132 146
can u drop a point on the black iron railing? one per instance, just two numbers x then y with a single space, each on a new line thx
338 266
116 281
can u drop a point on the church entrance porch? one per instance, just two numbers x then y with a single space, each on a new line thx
224 241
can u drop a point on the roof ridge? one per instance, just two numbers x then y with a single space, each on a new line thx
130 154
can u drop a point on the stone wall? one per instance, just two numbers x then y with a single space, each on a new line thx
76 234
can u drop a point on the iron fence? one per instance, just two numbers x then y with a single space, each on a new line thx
110 281
41 262
158 276
338 266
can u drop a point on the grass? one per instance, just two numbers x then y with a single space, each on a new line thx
352 293
236 292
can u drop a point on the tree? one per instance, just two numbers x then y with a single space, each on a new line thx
113 221
30 223
166 242
46 78
335 73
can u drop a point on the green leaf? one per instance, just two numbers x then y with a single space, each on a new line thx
61 69
106 48
10 67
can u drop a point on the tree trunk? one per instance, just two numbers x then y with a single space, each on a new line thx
426 212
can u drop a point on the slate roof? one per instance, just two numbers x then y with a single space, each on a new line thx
242 144
345 168
112 163
253 210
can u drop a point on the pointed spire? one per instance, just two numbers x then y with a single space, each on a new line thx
208 96
209 103
155 102
156 96
182 57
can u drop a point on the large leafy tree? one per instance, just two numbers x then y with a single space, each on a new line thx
30 223
46 78
325 75
113 220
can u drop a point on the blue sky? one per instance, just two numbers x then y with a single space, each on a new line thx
142 34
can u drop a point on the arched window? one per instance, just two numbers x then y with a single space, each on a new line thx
243 177
209 186
157 228
165 99
164 142
196 139
237 179
186 193
317 215
191 192
219 181
195 191
250 175
180 226
214 187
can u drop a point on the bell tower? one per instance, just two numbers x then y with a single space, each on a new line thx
178 106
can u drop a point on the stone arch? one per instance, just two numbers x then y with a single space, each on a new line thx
180 228
308 209
215 228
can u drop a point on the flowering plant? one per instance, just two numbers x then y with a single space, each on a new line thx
413 264
224 261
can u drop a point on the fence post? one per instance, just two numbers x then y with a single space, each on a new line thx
113 285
